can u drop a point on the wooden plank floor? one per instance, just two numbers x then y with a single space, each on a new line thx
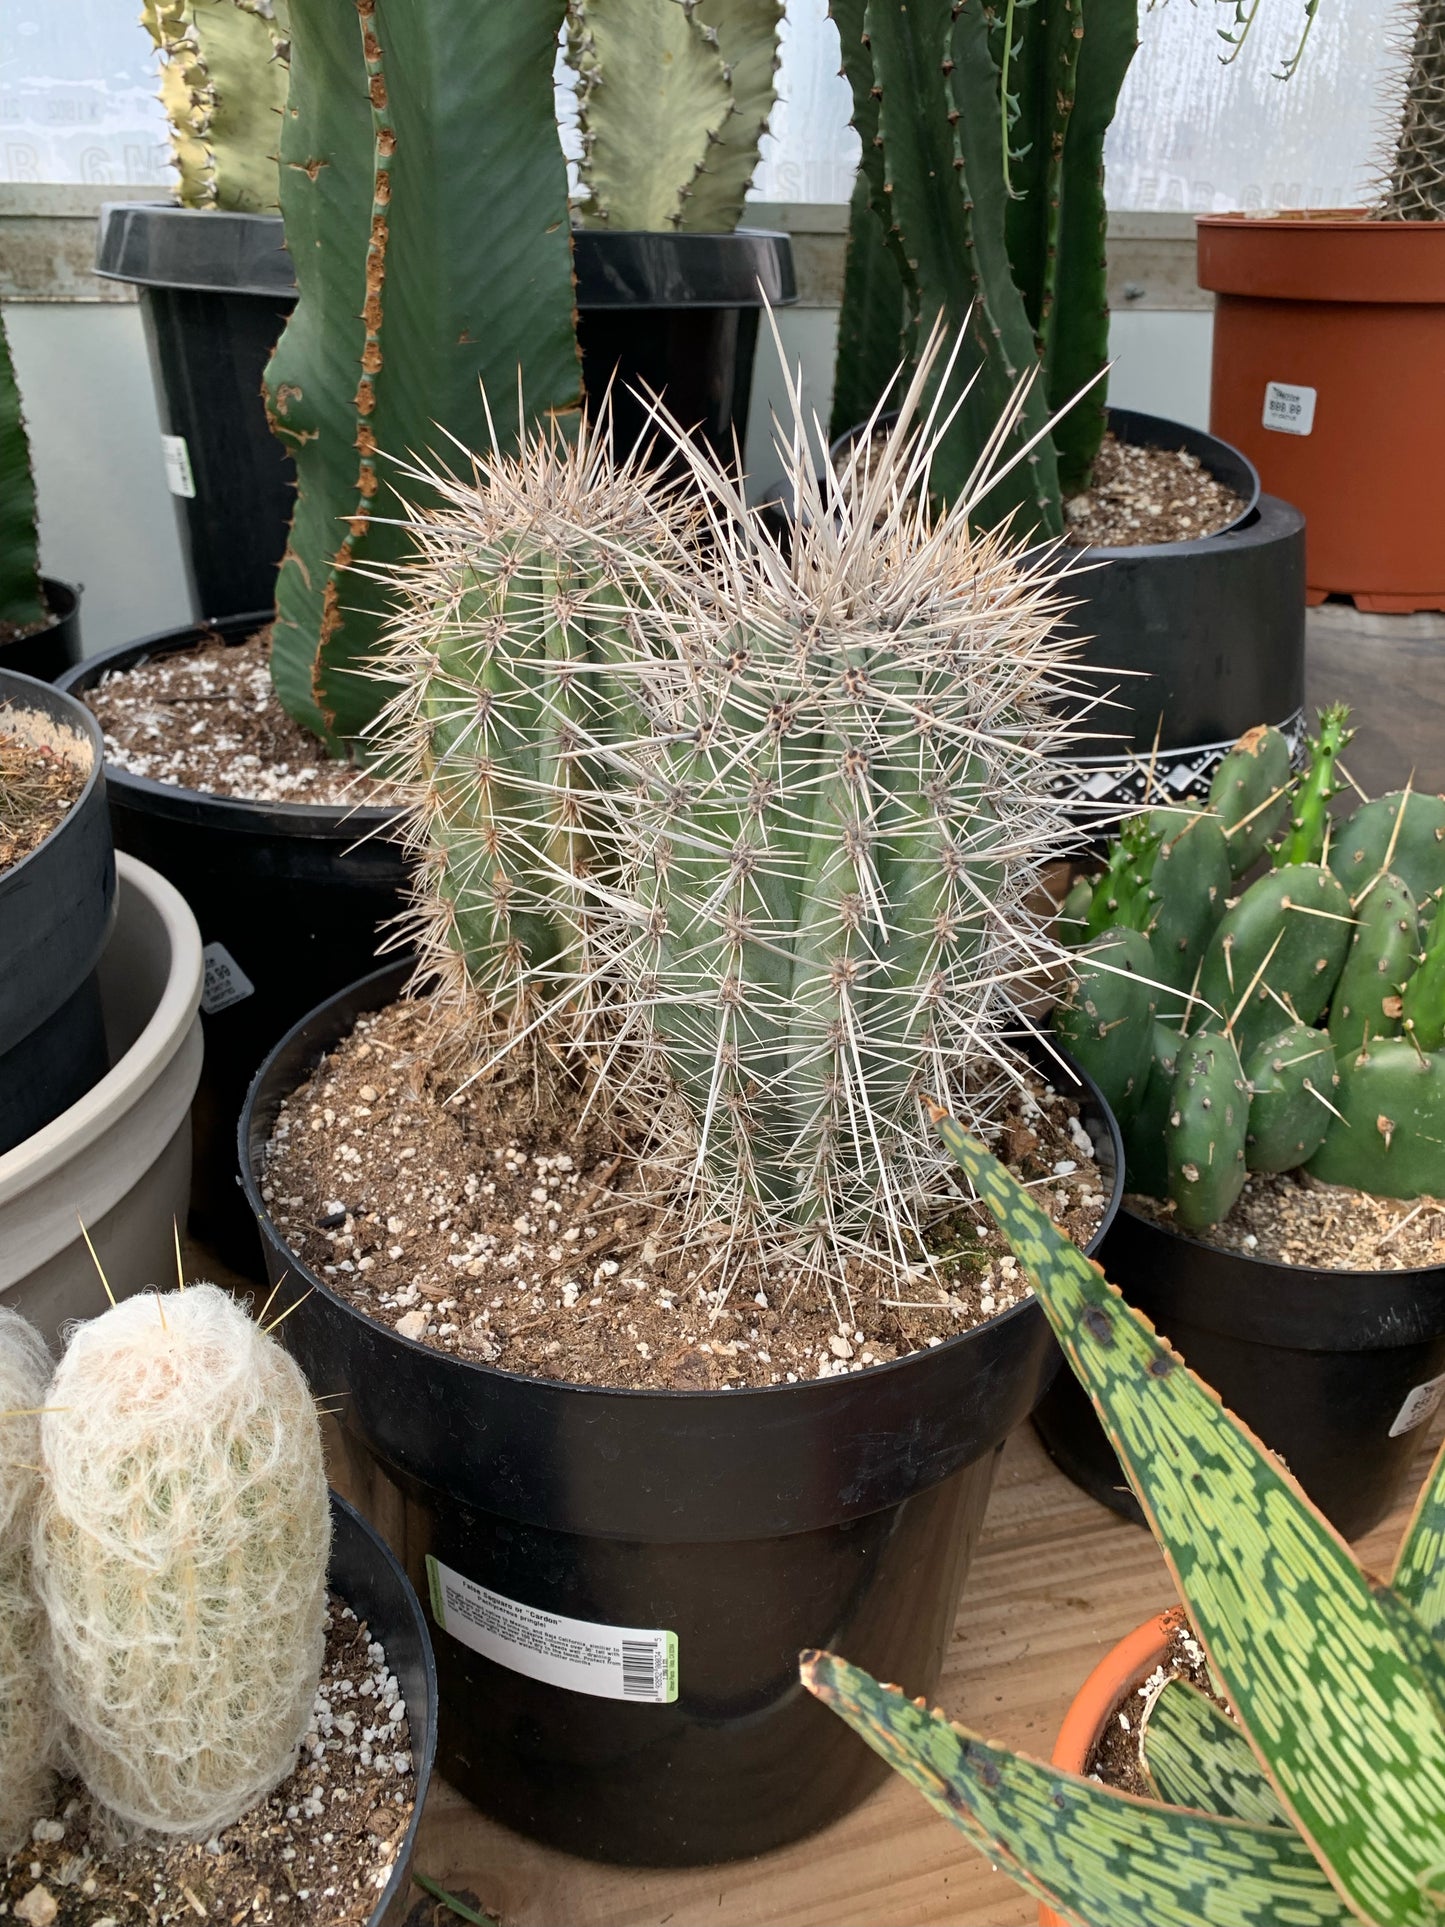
1056 1581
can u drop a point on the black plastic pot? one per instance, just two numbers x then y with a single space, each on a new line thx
366 1575
289 897
1335 1370
676 312
748 1524
57 906
48 653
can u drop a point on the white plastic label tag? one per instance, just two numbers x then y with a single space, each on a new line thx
1421 1404
225 981
1289 410
610 1662
179 478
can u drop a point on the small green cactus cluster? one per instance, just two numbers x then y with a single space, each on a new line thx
1307 1015
758 830
223 86
1321 1800
164 1539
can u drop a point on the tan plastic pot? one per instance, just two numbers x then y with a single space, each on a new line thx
1329 374
119 1160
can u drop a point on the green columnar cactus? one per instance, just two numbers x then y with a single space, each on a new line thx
28 1722
1326 1803
1415 187
182 1532
223 86
421 177
983 133
21 602
513 633
674 97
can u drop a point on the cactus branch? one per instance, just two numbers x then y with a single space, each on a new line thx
20 599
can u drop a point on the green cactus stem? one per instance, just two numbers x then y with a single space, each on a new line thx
1276 954
413 138
1389 1136
1403 833
1422 999
1208 1125
1106 1016
1250 794
1309 819
223 86
20 598
1123 897
1365 1002
1146 1162
1189 882
1415 187
1291 1078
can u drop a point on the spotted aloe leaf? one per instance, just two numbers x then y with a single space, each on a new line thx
1419 1576
1197 1757
1096 1856
1325 1685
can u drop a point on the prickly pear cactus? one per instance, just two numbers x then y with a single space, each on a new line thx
20 598
1250 794
1388 1139
1146 1164
29 1725
1306 838
1291 1078
223 86
1123 898
1365 1003
1208 1126
1106 1016
1403 833
1422 1000
1189 884
673 101
1276 954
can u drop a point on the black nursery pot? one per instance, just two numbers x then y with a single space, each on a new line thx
50 651
717 1533
674 312
364 1572
289 897
1335 1370
57 906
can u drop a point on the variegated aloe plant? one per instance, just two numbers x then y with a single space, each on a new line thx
1325 1803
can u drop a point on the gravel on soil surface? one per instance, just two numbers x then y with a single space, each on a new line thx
495 1228
1117 1759
1148 495
208 718
1293 1219
317 1853
38 787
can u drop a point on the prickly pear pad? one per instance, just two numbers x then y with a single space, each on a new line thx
181 1544
27 1716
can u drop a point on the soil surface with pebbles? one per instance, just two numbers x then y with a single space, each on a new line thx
1118 1755
493 1227
208 718
38 789
317 1853
1294 1219
1148 495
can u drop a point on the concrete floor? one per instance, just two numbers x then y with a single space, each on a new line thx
1391 671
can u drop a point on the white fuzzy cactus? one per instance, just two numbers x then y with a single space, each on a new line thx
181 1546
818 790
27 1711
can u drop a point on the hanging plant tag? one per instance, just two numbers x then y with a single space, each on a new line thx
609 1662
1419 1405
180 478
1287 409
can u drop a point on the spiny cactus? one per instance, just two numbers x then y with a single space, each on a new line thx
517 666
673 100
1304 945
20 598
981 189
28 1723
223 86
818 834
1415 185
1325 1803
181 1540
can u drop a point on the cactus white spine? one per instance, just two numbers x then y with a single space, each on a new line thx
181 1545
27 1711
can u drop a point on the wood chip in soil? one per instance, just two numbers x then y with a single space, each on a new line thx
1148 495
1117 1758
493 1227
208 718
317 1853
1294 1219
38 787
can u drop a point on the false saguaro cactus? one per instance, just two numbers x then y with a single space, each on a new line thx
1322 1801
223 86
20 599
980 197
673 99
425 199
1415 185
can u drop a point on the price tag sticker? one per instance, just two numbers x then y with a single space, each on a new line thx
180 479
1287 409
225 982
1421 1404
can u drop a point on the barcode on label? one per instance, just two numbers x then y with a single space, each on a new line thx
225 982
1289 410
639 1669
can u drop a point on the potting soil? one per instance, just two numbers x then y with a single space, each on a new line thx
38 787
1292 1218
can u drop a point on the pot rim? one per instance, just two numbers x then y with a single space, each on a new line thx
482 1372
1358 1280
1124 1667
39 697
234 812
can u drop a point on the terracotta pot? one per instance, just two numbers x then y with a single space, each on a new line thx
1329 374
1117 1675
